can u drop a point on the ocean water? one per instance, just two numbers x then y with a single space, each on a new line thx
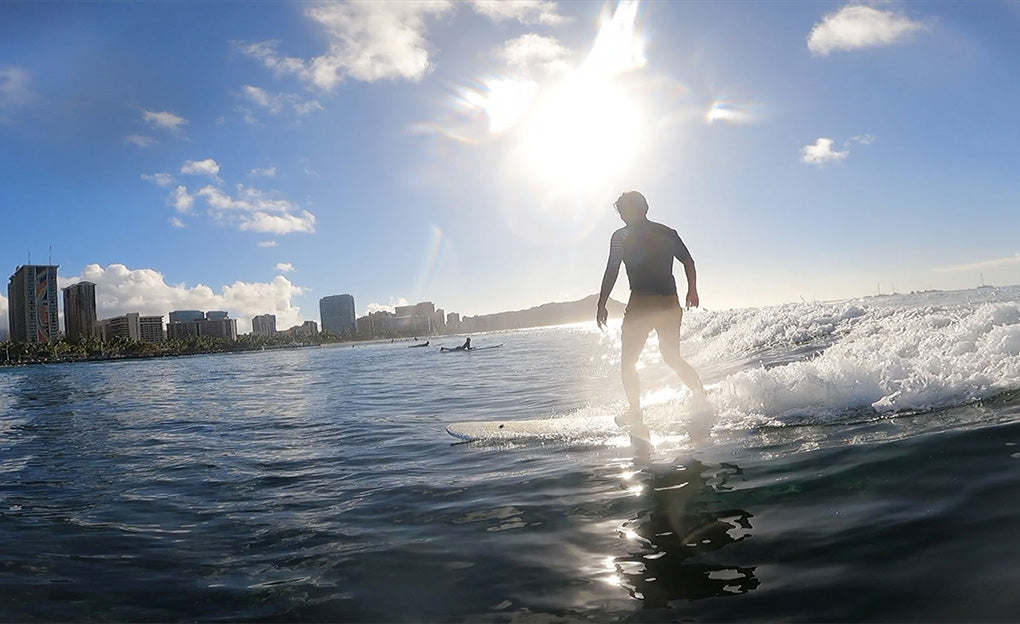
861 461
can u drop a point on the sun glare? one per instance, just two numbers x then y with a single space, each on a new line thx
583 131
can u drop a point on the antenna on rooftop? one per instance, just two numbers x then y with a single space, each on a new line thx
49 256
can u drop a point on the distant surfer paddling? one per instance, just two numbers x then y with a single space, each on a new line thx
647 249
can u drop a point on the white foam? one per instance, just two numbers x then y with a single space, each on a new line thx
879 356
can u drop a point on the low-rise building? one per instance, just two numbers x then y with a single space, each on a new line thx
132 326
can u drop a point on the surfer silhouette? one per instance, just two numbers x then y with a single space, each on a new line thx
647 250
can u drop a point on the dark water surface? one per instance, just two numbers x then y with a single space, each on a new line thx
319 484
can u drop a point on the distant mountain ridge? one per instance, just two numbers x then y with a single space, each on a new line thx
559 313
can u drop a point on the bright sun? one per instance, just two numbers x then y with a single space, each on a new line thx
583 132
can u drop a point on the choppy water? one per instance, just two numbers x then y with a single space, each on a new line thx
864 464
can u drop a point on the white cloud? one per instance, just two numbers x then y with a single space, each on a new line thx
368 41
285 267
268 243
384 307
268 172
140 140
857 26
821 152
164 120
4 319
177 223
159 179
15 90
253 210
529 52
182 200
524 11
277 103
984 264
278 223
120 290
207 167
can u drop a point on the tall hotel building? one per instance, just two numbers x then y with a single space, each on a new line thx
32 304
263 325
337 314
80 311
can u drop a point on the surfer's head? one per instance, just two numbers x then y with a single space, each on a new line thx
632 206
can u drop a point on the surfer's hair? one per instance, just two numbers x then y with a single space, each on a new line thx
631 200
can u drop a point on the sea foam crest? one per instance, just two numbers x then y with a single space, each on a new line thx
820 362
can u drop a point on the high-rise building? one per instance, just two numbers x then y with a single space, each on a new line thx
32 304
337 314
215 315
183 316
263 325
80 311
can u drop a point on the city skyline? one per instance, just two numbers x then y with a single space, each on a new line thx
79 314
470 152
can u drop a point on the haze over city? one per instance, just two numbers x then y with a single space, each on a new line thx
254 158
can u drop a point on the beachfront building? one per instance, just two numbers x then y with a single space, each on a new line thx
304 330
32 304
80 311
416 320
263 325
225 328
132 326
184 316
337 314
215 315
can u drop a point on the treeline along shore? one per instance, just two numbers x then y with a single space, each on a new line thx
93 348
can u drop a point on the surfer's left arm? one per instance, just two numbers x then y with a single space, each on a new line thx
609 277
685 258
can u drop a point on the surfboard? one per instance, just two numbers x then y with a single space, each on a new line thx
472 349
563 428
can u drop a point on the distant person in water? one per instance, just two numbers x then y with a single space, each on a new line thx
647 249
466 346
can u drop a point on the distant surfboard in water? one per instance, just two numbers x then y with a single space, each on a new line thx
458 350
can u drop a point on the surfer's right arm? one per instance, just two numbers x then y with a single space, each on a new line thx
609 278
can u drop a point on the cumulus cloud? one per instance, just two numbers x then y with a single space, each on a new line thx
285 267
268 243
182 200
207 167
256 211
139 140
277 103
387 307
822 152
531 52
159 179
368 41
177 223
524 11
164 120
120 290
857 26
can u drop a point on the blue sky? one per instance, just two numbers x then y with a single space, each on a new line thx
255 157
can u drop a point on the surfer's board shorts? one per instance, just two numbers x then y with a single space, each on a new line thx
645 313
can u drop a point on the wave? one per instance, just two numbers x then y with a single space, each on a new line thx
823 361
